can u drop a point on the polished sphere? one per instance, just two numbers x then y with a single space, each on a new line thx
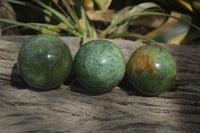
99 65
151 69
44 61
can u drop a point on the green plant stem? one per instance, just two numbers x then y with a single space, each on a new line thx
37 26
128 17
58 14
64 13
84 19
17 23
135 35
88 27
74 17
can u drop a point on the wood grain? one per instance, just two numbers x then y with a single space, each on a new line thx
72 109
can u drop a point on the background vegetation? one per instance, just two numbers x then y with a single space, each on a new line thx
171 21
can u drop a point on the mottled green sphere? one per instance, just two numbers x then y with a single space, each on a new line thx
99 65
44 61
151 69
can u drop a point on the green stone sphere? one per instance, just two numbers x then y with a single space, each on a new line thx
44 61
151 69
99 65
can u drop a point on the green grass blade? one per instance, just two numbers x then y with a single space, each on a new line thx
130 16
143 7
18 23
118 16
146 6
37 26
132 35
50 26
84 19
74 17
34 7
88 27
120 13
57 13
102 4
64 13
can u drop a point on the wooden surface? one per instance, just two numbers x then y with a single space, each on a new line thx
71 109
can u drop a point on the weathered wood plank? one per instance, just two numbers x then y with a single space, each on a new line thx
71 109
